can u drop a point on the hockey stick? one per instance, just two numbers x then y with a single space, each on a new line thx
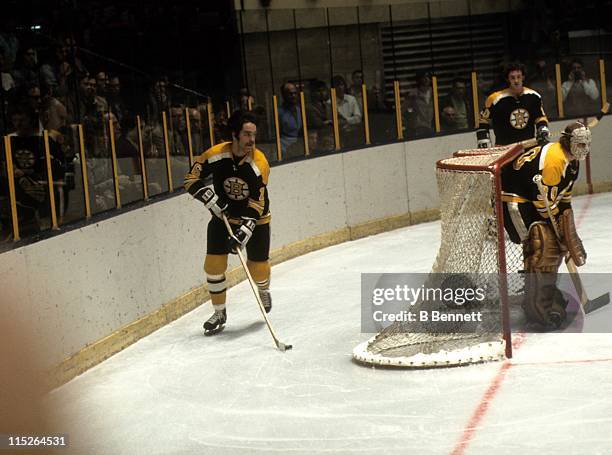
281 346
593 123
587 305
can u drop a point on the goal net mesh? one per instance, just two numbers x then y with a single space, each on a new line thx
471 247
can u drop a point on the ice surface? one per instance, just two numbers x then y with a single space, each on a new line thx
178 392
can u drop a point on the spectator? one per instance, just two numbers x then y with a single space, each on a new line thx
9 43
318 113
290 122
580 93
375 100
158 99
128 155
101 84
355 90
53 118
349 113
543 82
222 133
348 110
6 90
27 71
30 171
246 100
195 122
34 98
420 107
178 131
128 170
455 107
114 98
8 83
87 106
61 74
53 115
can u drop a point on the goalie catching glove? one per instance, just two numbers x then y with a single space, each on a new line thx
242 235
211 200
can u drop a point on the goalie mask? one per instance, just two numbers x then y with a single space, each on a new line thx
579 138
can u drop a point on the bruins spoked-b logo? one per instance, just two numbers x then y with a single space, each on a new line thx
236 188
24 158
519 118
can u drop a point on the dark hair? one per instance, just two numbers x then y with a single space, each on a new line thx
239 118
317 85
283 87
457 80
24 109
420 75
576 60
337 80
514 66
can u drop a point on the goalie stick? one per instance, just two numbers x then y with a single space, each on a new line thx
593 123
281 346
587 305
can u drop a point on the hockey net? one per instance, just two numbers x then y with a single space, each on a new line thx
474 244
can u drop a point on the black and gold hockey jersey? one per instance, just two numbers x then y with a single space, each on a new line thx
558 177
240 181
513 118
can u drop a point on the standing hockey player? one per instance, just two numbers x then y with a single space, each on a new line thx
513 112
526 217
230 179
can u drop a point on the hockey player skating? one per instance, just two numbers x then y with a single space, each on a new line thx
552 170
513 112
230 179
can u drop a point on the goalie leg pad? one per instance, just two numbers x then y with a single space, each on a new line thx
544 303
571 241
541 250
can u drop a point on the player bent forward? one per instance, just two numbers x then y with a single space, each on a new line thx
230 179
527 220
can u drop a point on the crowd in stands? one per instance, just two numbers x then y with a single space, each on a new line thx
53 87
580 94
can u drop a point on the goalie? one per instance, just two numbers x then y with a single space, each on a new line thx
545 239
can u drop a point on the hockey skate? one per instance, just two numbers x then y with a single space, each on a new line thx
266 299
216 323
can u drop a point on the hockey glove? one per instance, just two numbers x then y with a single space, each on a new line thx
241 236
543 135
212 201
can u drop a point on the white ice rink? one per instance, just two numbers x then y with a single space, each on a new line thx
178 392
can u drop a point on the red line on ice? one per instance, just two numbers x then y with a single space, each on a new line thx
485 401
496 383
